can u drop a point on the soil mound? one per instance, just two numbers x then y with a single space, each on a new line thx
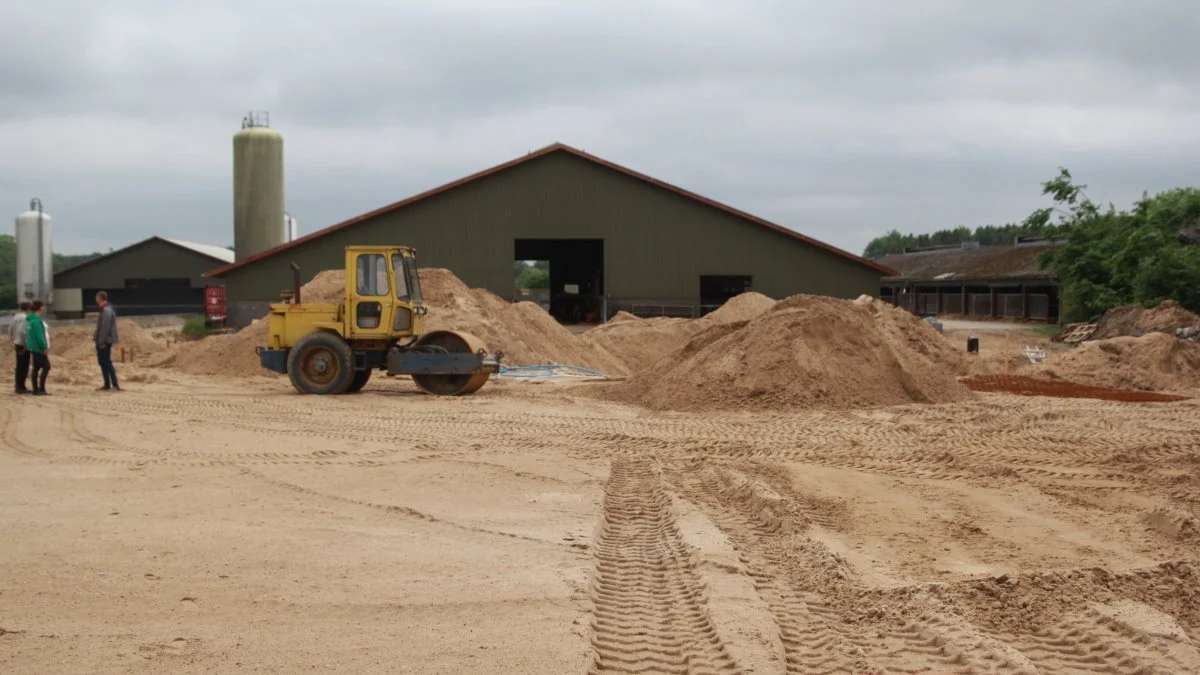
523 331
75 342
741 307
1153 362
1135 320
639 343
526 334
806 352
327 288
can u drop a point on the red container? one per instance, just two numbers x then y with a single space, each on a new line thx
214 303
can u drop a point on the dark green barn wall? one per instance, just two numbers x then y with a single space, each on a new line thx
657 243
150 259
153 259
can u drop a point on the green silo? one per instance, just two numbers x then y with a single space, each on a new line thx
259 222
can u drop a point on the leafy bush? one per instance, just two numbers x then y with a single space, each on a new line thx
195 327
1114 258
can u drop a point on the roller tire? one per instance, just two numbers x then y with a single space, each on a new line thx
451 385
361 377
321 363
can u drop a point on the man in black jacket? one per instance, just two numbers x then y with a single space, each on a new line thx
105 338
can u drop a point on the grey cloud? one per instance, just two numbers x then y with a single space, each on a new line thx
839 119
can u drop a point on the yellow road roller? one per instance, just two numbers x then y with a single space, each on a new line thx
334 348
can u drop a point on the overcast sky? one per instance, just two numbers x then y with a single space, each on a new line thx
838 119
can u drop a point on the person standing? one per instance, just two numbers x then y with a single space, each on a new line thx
16 331
105 337
37 342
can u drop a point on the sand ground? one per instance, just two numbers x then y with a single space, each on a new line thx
207 525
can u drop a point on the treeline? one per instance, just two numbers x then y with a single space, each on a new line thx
986 235
1111 257
8 268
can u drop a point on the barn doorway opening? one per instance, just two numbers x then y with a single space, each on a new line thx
715 290
576 269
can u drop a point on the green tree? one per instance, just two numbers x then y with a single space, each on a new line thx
532 277
1114 257
531 274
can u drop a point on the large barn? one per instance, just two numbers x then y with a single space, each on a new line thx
613 239
159 275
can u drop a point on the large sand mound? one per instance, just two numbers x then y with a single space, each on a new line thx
75 342
1153 362
806 351
1134 320
523 331
73 354
639 343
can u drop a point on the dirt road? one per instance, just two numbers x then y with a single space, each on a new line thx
204 526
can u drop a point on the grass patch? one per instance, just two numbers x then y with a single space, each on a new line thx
197 327
1048 331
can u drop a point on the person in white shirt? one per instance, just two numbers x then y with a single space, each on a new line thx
16 332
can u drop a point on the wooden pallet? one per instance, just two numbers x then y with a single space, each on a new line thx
1074 333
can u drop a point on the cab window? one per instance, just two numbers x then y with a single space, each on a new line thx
414 280
398 271
371 275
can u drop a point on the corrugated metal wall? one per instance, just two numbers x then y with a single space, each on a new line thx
153 259
657 243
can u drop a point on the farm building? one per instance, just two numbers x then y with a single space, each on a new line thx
158 275
987 282
613 238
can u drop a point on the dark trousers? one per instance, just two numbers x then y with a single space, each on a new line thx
41 367
22 367
104 358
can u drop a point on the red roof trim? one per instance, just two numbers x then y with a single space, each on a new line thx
556 147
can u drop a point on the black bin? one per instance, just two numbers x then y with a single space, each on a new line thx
972 345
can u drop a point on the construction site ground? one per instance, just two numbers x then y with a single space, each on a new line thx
197 524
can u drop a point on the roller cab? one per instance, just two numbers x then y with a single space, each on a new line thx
334 348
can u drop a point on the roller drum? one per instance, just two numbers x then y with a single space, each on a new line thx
452 385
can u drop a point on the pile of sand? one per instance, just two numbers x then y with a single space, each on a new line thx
1153 362
639 343
1135 320
806 351
75 342
229 355
73 355
523 331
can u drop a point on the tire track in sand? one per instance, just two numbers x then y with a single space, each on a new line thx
767 531
8 434
650 609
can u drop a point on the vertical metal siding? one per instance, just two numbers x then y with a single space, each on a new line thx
657 244
153 260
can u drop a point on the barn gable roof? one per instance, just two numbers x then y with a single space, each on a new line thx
217 253
556 147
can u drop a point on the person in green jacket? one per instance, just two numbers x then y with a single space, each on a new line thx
37 341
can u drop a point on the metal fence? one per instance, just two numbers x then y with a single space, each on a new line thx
1012 305
927 303
648 309
980 303
1008 305
1039 306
